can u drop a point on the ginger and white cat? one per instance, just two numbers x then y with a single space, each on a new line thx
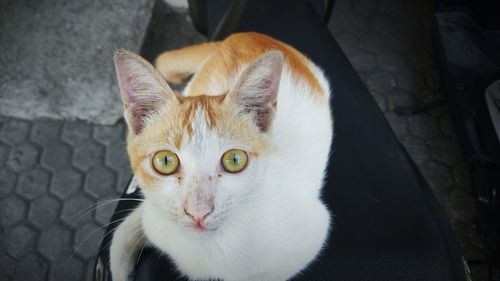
232 169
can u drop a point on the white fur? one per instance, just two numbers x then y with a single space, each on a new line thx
268 222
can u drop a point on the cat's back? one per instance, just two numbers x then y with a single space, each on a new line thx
219 72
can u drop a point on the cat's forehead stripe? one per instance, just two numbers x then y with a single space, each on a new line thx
202 102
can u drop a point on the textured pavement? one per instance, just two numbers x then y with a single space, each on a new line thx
55 56
53 174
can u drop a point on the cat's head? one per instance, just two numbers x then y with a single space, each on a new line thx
199 158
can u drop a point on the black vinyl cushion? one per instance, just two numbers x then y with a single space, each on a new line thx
387 224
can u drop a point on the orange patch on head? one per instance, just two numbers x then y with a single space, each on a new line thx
207 104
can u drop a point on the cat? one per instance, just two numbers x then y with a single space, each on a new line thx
231 169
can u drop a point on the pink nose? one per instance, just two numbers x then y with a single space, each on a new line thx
199 213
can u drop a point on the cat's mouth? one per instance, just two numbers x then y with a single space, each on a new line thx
201 228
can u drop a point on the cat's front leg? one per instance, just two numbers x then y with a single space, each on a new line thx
127 240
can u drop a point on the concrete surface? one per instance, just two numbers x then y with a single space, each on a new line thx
56 56
53 174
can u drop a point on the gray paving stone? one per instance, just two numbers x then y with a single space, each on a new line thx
33 183
363 61
418 151
375 43
88 155
74 207
8 267
390 61
45 131
55 243
445 151
23 157
7 182
381 101
87 240
410 80
381 81
104 212
350 44
70 270
117 157
110 134
56 155
399 124
32 268
100 182
77 133
400 97
4 153
14 131
66 182
424 126
43 211
20 241
460 207
13 211
439 178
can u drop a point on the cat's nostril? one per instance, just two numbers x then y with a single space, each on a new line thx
198 217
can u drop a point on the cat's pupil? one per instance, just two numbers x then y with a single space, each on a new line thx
168 160
236 159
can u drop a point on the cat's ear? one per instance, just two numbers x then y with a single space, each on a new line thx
257 88
142 88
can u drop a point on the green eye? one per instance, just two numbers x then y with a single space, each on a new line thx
234 160
165 162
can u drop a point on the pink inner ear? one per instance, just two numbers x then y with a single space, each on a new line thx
127 90
274 85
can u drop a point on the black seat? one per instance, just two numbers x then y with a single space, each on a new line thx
388 225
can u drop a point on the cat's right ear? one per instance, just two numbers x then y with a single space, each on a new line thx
142 88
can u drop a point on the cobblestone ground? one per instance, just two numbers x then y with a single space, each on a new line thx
52 173
389 44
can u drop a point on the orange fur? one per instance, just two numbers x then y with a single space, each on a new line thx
220 60
176 66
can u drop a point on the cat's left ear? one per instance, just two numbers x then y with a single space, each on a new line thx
143 89
257 88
